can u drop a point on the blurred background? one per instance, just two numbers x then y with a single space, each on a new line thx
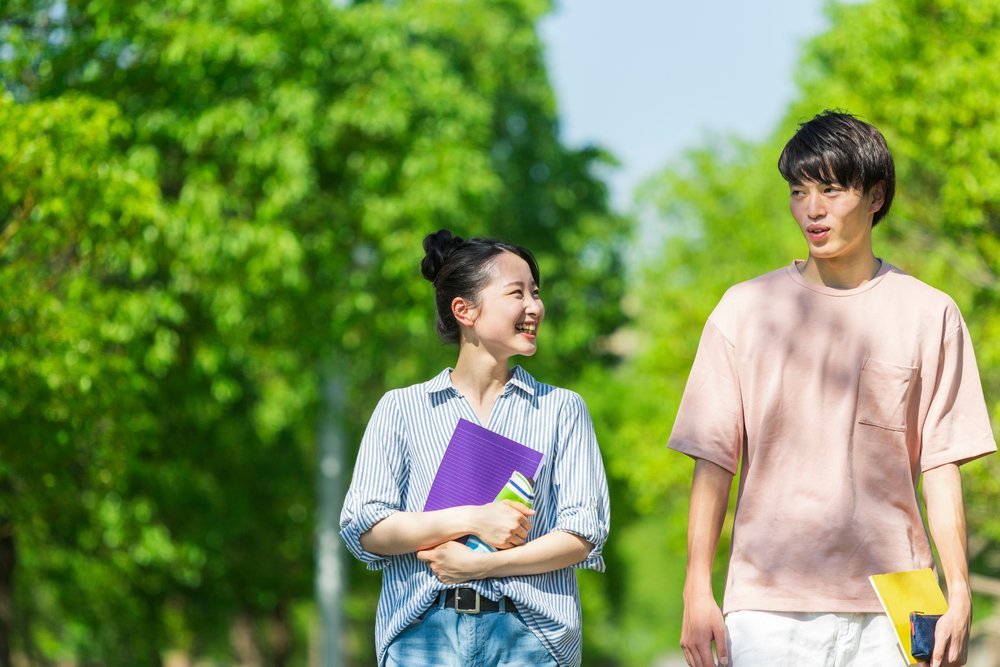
210 227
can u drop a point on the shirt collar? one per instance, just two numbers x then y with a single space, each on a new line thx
441 382
519 378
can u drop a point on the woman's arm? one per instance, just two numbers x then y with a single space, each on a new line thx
581 510
500 524
455 563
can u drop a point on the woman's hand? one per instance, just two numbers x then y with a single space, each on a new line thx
455 563
503 524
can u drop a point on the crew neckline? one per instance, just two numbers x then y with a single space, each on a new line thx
793 273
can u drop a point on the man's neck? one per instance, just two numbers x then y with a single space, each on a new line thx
840 273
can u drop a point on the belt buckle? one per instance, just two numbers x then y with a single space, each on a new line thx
458 601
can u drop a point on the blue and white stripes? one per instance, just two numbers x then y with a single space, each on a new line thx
400 452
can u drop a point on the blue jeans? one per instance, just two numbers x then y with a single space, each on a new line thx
444 637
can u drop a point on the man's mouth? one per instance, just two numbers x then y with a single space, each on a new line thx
817 231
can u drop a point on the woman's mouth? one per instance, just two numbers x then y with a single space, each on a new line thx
528 328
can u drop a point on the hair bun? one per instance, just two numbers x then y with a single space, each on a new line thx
437 247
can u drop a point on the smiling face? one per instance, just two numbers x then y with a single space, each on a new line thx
506 318
836 221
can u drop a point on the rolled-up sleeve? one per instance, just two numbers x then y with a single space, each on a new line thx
581 485
376 485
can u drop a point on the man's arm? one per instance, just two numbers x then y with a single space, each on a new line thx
703 622
942 489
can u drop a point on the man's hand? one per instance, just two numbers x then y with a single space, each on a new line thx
703 626
951 637
942 488
455 563
503 524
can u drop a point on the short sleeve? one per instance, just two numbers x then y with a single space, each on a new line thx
583 505
957 427
376 486
709 423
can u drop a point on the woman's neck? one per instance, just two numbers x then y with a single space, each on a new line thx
481 379
479 374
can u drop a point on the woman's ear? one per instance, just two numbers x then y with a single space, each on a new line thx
465 311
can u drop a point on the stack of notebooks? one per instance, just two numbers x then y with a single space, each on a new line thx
902 593
477 465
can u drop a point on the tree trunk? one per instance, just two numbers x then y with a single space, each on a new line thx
281 637
8 559
241 637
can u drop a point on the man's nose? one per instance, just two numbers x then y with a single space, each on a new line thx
815 206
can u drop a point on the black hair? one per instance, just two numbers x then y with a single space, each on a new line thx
461 268
838 148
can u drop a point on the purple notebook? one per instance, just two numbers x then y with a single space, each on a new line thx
477 465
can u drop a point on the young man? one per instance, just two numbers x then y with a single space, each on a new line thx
831 385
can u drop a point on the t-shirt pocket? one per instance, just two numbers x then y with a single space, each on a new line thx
883 394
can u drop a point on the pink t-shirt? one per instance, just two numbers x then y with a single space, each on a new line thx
835 401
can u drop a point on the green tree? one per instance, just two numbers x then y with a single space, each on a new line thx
83 321
920 70
298 154
928 81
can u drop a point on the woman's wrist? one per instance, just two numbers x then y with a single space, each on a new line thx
487 565
459 521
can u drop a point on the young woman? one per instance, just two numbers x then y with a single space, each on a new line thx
441 602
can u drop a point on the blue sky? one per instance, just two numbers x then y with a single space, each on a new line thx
648 78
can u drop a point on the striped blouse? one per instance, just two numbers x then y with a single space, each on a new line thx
400 453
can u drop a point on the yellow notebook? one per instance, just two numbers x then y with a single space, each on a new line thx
903 592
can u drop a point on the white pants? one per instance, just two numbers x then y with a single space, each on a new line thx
772 639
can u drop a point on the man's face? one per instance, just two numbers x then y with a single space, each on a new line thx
835 220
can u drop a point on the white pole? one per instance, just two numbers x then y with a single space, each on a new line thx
330 588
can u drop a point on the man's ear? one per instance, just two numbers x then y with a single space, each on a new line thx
878 197
464 311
